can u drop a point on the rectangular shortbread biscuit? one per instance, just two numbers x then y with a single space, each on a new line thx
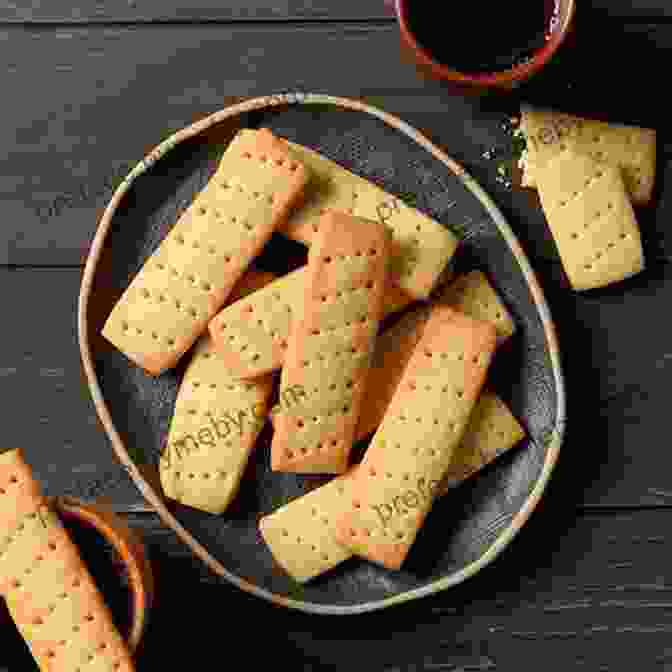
630 148
251 335
301 535
412 449
421 246
330 345
50 594
215 424
170 302
591 219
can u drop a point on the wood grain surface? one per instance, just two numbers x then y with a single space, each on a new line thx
579 592
88 88
183 11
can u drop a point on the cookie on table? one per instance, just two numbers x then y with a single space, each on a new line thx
49 592
592 220
630 148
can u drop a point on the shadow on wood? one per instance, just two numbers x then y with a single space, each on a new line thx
608 69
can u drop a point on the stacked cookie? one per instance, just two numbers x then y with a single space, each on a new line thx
418 387
589 174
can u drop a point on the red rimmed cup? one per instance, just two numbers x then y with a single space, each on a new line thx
560 25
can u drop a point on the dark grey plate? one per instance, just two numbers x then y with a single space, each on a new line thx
468 527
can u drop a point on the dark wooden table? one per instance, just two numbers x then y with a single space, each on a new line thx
86 88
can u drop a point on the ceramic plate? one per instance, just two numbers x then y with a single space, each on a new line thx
467 528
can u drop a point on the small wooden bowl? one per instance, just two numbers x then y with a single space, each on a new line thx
121 553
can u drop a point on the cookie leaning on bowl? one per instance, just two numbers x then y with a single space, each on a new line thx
50 594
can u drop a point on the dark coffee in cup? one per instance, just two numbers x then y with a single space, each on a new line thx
482 36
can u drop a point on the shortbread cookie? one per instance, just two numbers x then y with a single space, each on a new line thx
301 535
50 594
633 149
251 336
421 246
330 345
591 219
397 482
170 302
215 424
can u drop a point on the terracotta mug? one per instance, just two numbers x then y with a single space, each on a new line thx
481 82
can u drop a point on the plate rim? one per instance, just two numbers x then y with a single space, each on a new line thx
142 481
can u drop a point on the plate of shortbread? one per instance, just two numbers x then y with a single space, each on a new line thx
321 353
